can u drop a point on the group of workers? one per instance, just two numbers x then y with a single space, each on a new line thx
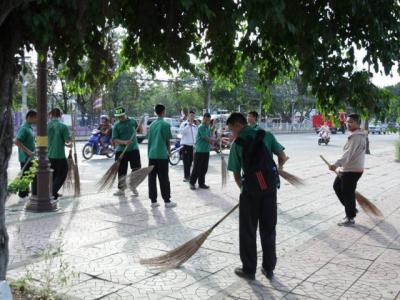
256 207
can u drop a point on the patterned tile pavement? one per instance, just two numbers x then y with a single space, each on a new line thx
103 238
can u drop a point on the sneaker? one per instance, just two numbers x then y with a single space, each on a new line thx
268 274
204 187
192 187
119 193
154 204
185 179
135 192
347 222
170 204
242 274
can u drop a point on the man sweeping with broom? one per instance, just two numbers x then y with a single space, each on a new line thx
256 174
158 149
352 168
123 135
59 137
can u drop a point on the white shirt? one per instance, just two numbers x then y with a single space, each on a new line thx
189 133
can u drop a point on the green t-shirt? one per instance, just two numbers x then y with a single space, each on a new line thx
25 136
58 134
159 136
202 145
255 126
235 162
123 131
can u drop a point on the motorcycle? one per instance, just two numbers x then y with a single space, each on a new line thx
94 147
176 153
324 138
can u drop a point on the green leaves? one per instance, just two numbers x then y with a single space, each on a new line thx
22 182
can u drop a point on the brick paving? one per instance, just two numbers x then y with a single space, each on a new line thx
103 238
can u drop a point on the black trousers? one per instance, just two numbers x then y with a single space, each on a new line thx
345 188
160 170
60 171
254 210
131 157
200 167
187 156
25 193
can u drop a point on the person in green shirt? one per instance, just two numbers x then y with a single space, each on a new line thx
25 141
124 135
252 119
202 154
59 137
158 150
254 209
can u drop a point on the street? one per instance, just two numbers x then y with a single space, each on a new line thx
103 237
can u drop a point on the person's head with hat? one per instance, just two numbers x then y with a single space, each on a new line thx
120 113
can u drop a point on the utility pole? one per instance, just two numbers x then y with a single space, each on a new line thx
43 201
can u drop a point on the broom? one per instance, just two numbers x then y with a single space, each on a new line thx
68 181
138 176
369 208
224 167
292 179
108 179
180 255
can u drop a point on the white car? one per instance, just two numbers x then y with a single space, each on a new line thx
175 124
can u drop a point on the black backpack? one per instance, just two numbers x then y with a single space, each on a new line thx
260 173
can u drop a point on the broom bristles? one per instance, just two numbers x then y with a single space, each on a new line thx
180 255
68 181
108 179
224 171
369 208
77 181
292 179
138 176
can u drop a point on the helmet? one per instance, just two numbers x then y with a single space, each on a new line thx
104 118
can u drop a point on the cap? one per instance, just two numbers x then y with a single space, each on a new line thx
119 112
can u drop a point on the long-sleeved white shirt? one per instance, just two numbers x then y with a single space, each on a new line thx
353 157
189 133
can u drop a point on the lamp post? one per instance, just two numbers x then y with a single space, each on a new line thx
42 201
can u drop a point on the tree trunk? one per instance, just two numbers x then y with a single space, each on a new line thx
9 42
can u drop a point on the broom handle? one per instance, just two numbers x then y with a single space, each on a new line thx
327 162
224 217
25 165
126 147
74 136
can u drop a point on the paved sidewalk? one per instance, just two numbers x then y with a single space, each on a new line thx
104 237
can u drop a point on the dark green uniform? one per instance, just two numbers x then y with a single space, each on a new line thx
58 135
123 130
201 156
256 210
159 137
25 136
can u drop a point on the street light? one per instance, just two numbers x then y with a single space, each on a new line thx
42 201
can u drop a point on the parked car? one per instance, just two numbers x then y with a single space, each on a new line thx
377 127
175 124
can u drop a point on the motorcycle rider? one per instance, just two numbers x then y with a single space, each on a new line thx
324 131
105 131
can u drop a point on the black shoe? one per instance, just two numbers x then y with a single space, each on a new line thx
268 274
204 186
239 272
192 187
